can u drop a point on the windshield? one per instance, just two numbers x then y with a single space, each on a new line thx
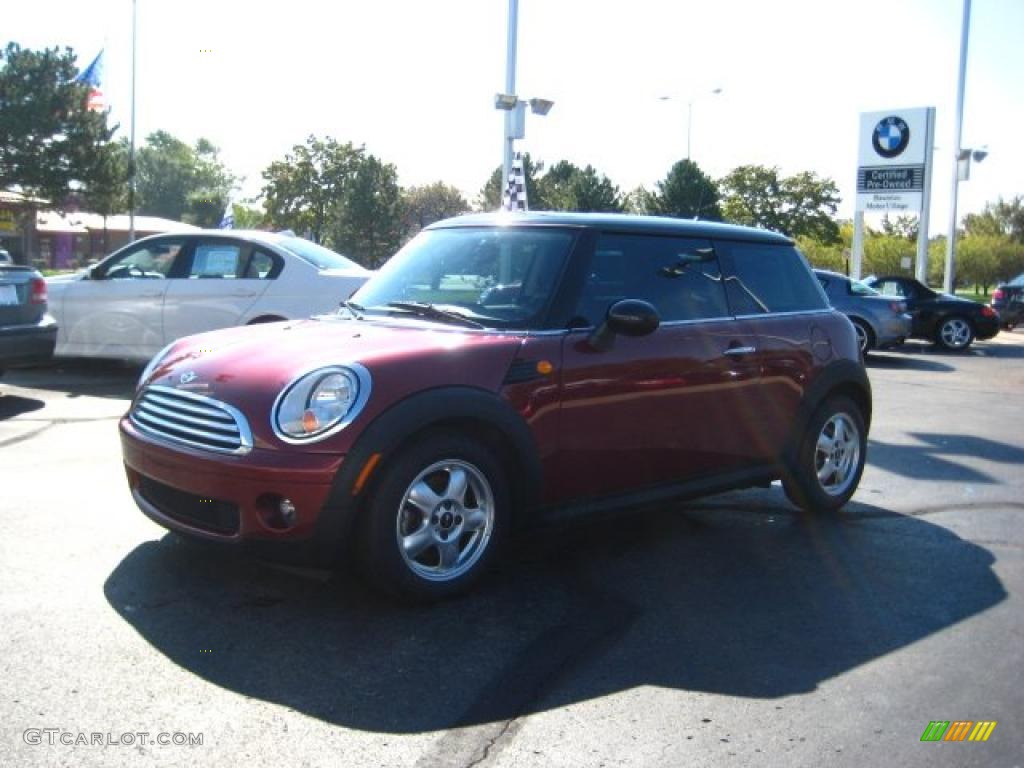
499 277
857 288
317 255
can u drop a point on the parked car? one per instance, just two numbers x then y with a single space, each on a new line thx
499 371
5 257
951 322
1008 301
163 287
28 332
880 322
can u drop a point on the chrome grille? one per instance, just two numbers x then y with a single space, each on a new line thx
182 417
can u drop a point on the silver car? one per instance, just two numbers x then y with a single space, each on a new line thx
881 321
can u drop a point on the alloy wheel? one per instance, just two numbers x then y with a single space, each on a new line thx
955 333
837 454
445 520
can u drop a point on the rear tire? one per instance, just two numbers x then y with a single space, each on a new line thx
831 457
436 519
865 337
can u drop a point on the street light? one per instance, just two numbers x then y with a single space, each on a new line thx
689 113
509 102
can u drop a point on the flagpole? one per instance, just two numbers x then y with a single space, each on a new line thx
131 146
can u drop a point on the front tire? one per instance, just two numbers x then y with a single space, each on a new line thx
831 458
436 519
954 334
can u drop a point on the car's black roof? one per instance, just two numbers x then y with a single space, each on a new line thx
616 222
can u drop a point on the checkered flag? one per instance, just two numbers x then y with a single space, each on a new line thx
514 196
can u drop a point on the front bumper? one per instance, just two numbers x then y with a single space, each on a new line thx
23 344
231 499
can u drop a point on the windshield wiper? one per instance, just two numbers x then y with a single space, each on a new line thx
434 313
356 310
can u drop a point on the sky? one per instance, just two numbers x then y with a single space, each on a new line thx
414 81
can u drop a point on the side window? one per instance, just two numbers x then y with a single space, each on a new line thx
892 288
149 261
215 260
259 267
679 276
771 278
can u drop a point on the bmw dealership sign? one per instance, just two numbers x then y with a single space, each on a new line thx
892 167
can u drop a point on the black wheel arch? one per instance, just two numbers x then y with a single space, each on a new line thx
478 413
840 377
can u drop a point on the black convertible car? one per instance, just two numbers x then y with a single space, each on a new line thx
951 322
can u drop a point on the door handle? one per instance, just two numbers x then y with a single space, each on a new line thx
739 351
150 295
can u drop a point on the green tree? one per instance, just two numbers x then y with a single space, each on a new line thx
425 205
640 202
49 140
247 216
302 191
977 258
366 222
181 182
567 187
686 193
106 190
901 226
1003 217
802 204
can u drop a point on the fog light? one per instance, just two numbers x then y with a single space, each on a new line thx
276 512
287 510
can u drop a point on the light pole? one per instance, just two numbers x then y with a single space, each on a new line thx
689 114
949 277
131 145
510 103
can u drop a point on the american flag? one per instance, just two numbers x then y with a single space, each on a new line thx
513 197
93 77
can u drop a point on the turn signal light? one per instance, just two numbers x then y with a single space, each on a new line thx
987 311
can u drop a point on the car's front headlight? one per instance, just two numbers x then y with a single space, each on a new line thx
320 402
153 363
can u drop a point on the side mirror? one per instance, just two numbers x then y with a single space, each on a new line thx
629 317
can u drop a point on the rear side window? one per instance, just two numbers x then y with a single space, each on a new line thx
679 276
770 278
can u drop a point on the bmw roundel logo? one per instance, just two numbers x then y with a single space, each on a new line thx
187 377
890 136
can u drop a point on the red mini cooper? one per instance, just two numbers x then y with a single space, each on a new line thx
500 370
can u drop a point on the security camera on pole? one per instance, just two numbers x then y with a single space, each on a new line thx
894 174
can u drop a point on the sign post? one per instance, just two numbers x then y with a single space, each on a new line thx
894 173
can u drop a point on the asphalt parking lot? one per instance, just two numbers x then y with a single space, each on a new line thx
725 631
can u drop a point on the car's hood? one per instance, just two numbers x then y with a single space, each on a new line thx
67 277
248 367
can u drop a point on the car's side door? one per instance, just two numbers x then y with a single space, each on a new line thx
921 314
116 311
771 287
223 278
665 407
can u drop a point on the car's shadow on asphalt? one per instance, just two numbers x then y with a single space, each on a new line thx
935 456
910 362
80 376
15 405
734 595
